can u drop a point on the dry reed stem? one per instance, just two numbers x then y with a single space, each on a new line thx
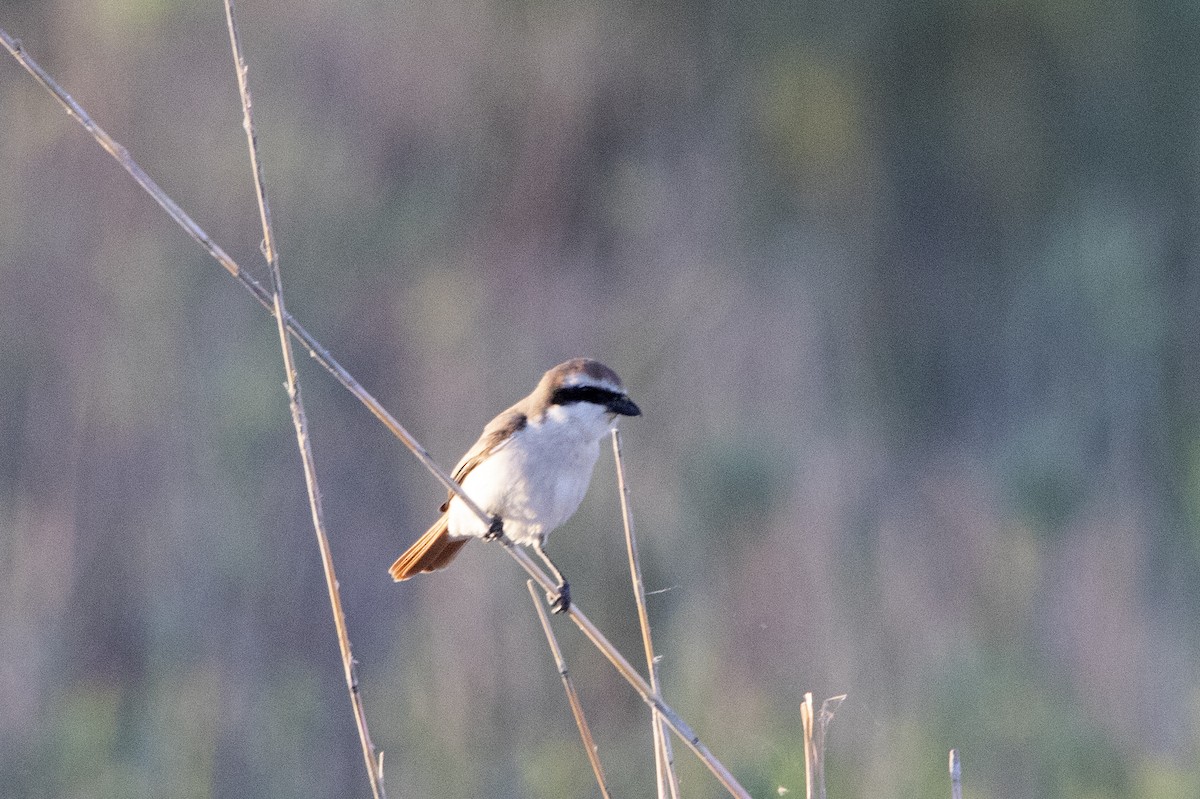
373 762
955 775
631 675
810 765
664 760
585 732
323 357
814 742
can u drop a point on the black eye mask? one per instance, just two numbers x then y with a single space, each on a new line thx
573 394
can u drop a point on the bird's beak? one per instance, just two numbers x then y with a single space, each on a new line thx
624 406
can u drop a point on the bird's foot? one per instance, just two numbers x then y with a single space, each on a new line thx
562 602
495 530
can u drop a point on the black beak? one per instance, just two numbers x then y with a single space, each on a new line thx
624 406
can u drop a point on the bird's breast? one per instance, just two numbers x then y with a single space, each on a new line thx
535 482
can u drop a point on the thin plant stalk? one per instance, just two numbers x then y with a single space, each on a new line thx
323 357
813 784
373 762
631 675
955 775
814 742
664 760
585 732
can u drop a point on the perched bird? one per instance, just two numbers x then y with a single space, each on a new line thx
529 470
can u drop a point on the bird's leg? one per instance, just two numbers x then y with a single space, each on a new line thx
495 530
562 602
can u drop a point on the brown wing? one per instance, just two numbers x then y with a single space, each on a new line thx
435 549
495 435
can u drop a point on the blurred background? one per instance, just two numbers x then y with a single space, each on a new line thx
908 293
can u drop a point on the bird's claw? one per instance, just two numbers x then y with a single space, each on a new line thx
495 530
562 602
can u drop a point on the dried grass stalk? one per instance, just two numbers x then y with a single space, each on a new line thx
374 763
814 742
664 759
585 732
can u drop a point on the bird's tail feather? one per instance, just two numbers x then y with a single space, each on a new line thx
431 552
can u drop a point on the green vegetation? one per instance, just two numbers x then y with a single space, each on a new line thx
908 294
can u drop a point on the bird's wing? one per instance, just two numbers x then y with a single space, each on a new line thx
498 432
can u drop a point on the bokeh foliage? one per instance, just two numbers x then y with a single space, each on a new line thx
908 292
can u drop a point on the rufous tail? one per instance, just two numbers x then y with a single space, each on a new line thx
431 552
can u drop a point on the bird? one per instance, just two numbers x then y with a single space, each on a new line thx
529 469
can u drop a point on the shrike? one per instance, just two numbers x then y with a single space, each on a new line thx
529 470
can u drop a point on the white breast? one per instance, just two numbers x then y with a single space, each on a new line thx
536 480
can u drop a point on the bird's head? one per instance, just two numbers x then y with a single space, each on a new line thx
586 391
